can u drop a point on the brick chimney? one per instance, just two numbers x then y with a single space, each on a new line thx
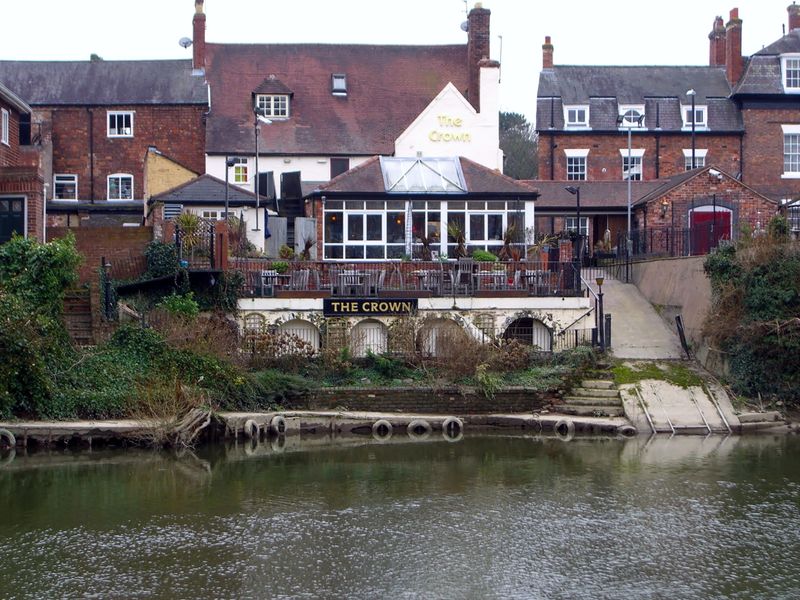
716 46
733 47
199 39
794 16
547 53
477 49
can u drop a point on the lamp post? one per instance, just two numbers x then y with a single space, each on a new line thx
259 118
600 315
691 93
229 162
576 191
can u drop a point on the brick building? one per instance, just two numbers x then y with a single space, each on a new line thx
21 183
94 121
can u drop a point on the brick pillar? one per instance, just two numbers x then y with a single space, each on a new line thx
477 49
199 33
221 246
547 53
716 46
733 47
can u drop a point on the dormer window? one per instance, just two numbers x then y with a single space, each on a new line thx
790 66
700 113
273 105
576 116
631 116
339 84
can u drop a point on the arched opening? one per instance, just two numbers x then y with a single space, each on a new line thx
298 337
709 224
531 332
369 335
440 337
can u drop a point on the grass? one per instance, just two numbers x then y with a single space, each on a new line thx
676 374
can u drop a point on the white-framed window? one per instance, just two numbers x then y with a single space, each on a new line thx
571 221
700 113
273 105
631 116
120 186
793 214
213 215
339 84
120 123
632 165
790 69
65 187
4 125
577 164
791 151
355 230
239 172
699 158
576 116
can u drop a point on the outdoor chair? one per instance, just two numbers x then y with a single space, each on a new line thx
299 280
465 276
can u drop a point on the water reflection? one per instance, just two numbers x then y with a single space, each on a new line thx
486 517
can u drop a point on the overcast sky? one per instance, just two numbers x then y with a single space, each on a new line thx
603 32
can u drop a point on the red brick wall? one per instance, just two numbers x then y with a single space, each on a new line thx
763 151
477 48
749 207
9 155
604 153
177 131
123 247
25 181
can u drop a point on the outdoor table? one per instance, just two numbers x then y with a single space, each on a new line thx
495 280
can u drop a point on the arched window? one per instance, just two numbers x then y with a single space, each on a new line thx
530 331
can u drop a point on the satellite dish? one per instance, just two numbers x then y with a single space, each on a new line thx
185 42
465 26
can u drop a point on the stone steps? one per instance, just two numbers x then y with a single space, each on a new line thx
594 411
596 392
593 397
78 316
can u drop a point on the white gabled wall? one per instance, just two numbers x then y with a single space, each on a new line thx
450 126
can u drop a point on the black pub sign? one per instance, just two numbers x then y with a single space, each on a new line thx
364 307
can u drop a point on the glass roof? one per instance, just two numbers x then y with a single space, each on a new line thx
423 175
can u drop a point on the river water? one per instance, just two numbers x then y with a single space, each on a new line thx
485 517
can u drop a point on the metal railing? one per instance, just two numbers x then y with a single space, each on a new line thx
268 277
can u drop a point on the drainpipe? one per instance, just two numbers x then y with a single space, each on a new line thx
44 211
741 156
90 115
658 140
552 139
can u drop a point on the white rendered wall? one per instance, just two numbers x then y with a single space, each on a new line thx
450 126
248 214
312 168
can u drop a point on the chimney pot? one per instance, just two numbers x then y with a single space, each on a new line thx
477 49
734 63
794 16
199 36
547 53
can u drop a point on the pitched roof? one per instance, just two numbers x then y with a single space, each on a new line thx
387 87
206 189
105 82
595 195
13 100
661 89
367 178
762 73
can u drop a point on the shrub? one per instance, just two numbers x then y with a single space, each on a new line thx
285 252
484 256
162 259
184 306
280 266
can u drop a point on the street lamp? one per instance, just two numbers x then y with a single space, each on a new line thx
259 118
576 191
600 314
691 93
229 162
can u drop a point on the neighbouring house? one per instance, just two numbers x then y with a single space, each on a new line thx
21 184
587 115
94 122
739 113
287 115
682 215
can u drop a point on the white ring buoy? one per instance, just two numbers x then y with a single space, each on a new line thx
452 429
419 429
564 429
7 439
251 429
381 430
627 430
278 425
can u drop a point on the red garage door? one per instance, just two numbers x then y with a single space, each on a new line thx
708 228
